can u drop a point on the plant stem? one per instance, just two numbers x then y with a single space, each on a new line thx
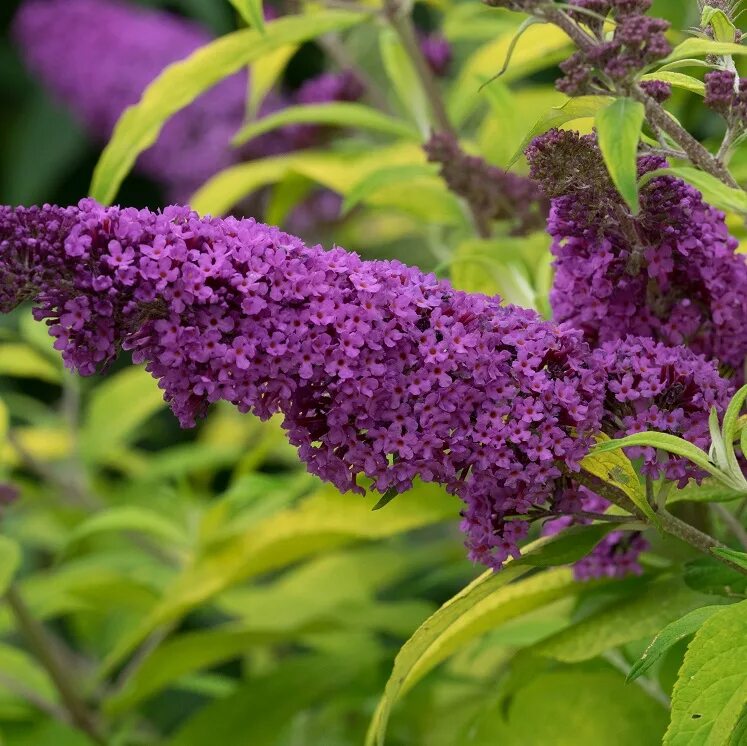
399 19
47 651
669 523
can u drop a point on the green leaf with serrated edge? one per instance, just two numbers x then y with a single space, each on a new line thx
711 690
130 518
713 577
731 430
678 80
618 133
181 83
325 520
738 558
252 12
713 190
701 48
374 182
437 633
575 108
615 468
671 634
634 617
709 491
337 114
670 444
10 559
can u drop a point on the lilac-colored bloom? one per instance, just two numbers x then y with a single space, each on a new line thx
671 273
383 373
437 52
669 389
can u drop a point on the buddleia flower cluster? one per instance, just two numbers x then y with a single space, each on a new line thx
97 57
671 272
383 373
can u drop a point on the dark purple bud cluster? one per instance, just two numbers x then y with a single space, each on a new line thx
493 194
659 90
637 41
381 372
437 52
671 273
727 95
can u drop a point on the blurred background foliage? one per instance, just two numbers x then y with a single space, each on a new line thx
199 585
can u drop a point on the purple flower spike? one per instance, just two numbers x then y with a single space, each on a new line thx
381 371
670 273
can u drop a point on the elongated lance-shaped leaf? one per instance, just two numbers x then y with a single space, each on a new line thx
488 598
729 433
738 558
669 636
717 451
181 83
670 444
619 131
252 12
337 114
678 80
701 48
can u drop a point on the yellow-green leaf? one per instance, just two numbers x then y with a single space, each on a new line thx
181 83
337 114
22 361
678 80
615 468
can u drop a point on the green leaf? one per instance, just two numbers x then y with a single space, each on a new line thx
574 108
615 468
377 180
252 13
670 444
738 558
10 560
669 636
540 47
715 578
262 707
723 29
713 190
618 132
325 520
710 693
710 490
632 618
404 79
119 406
730 429
573 707
22 361
485 602
265 73
181 83
337 114
130 518
702 47
678 80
